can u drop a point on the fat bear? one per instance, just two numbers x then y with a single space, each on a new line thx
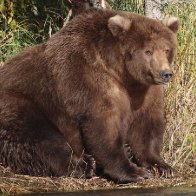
93 87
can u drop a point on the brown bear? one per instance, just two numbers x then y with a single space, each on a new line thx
93 87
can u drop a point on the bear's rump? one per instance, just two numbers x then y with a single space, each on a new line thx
30 143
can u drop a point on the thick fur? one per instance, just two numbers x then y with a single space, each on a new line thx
92 87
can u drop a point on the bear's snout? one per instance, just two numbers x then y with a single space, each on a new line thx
166 75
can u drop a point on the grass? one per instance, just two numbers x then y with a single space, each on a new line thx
180 138
13 41
11 183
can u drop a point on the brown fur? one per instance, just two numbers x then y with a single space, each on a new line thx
93 86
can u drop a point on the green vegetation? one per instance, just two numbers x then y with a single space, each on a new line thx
180 137
26 23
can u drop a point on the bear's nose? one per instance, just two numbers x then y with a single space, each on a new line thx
166 75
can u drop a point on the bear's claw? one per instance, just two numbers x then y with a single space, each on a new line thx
162 170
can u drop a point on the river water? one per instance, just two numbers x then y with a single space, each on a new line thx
175 191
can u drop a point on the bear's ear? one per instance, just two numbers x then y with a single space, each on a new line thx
172 23
118 24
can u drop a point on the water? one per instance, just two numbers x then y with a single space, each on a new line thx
175 191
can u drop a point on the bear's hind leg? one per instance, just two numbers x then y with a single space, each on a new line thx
31 144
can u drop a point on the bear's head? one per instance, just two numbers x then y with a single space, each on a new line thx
147 46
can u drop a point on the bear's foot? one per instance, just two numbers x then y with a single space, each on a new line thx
133 174
138 174
142 173
161 170
156 166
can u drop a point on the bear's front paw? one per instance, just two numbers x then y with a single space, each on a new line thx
134 177
141 172
162 170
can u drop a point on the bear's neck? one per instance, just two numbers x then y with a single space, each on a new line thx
137 92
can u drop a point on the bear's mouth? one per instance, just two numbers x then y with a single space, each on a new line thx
157 80
161 81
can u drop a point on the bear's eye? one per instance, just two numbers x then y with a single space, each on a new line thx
148 52
167 51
